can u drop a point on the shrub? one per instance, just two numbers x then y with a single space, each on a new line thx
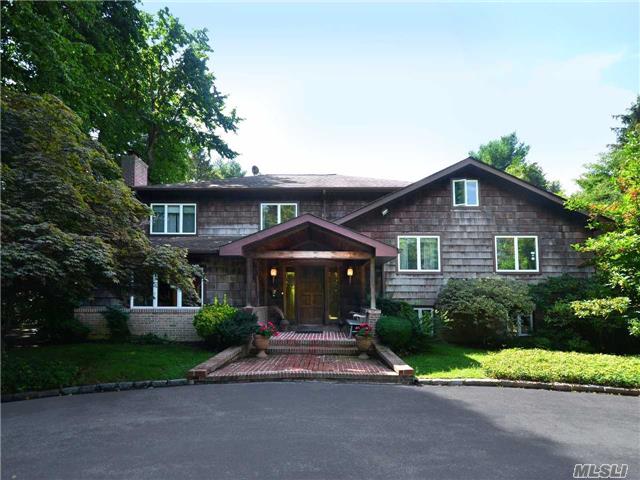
583 314
482 311
208 318
396 308
64 329
396 332
19 375
222 325
571 367
118 323
237 329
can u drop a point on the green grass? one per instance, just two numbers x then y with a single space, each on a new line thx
47 367
451 361
448 361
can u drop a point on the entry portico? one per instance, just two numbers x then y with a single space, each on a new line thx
314 270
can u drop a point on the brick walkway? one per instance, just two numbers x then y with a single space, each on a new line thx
301 366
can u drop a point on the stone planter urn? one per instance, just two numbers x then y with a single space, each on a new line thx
364 345
261 343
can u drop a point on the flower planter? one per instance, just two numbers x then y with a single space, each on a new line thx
364 344
261 343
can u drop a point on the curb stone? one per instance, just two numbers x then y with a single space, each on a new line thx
97 388
557 386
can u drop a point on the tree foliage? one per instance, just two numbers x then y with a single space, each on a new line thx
140 82
205 169
610 193
70 224
509 154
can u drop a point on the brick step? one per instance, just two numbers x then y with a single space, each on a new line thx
327 340
304 367
312 349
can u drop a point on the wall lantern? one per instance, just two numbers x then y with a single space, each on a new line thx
274 273
350 274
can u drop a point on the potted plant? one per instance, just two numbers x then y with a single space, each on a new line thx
261 335
364 339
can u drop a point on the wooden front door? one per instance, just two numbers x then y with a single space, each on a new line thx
310 295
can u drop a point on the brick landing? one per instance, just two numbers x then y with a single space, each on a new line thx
304 366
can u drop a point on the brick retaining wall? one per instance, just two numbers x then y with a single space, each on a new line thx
171 323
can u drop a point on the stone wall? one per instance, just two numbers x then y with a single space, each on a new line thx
171 323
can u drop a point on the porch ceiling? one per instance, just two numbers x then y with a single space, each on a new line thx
311 236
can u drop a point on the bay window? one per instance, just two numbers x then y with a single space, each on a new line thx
162 295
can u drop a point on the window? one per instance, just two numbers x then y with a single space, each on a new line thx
272 214
419 253
465 193
174 218
425 314
163 295
524 324
516 253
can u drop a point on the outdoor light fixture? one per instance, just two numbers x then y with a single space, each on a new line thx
350 274
385 212
274 274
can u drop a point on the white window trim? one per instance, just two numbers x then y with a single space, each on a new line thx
180 219
465 204
419 254
519 319
279 215
154 302
421 311
516 253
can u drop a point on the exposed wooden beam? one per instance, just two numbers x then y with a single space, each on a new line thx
311 254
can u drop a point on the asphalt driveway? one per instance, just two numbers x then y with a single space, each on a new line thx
319 431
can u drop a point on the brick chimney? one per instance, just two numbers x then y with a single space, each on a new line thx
134 170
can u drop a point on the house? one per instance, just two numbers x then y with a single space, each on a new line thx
321 246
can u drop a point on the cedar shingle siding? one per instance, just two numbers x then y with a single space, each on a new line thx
467 236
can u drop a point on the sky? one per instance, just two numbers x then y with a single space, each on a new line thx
401 91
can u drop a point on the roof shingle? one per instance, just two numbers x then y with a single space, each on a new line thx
269 181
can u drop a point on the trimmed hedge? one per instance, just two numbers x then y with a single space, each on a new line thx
396 332
569 367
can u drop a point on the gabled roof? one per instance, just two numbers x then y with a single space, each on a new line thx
276 181
452 170
236 248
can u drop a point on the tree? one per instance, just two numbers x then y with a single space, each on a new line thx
204 169
509 154
629 120
70 225
140 82
610 193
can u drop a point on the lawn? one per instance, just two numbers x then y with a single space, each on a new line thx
47 367
451 361
448 361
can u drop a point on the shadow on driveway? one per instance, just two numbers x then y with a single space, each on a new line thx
318 431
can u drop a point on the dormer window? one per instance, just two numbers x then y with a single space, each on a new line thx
272 214
465 193
173 218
